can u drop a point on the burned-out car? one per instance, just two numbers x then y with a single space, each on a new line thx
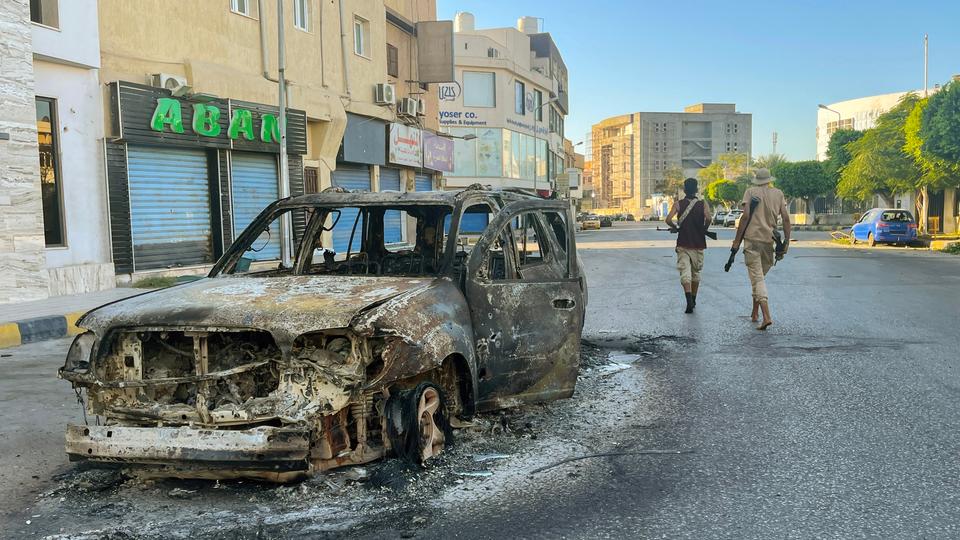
395 314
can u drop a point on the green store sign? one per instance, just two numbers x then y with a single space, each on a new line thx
168 117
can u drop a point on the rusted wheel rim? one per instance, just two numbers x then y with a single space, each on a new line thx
431 436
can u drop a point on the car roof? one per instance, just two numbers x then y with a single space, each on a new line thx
343 197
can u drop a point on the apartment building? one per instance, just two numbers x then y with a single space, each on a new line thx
156 137
507 106
192 146
630 154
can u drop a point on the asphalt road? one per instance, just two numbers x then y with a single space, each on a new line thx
839 421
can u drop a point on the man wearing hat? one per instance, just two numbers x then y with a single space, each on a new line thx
756 233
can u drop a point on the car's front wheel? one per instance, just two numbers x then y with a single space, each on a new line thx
417 422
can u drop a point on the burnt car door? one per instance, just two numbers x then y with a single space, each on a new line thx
526 307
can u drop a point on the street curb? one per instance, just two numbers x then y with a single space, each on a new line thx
16 333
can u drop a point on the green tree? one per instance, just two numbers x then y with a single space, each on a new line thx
769 161
673 181
879 163
804 180
940 127
725 191
936 171
728 166
838 155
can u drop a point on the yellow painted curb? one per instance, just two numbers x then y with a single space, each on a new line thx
938 245
9 335
71 318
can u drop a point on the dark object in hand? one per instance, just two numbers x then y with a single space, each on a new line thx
673 230
733 255
778 245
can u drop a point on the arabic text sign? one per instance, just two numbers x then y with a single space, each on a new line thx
437 152
405 146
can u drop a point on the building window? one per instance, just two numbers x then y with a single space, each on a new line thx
479 89
243 7
538 105
728 146
45 12
50 182
520 102
729 128
736 147
361 37
736 128
301 14
393 61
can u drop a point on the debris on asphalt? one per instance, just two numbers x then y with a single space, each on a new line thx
476 474
480 458
609 454
500 449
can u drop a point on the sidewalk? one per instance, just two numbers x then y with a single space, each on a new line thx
52 318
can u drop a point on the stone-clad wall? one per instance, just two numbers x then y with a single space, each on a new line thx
22 268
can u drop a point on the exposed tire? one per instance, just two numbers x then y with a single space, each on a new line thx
417 423
853 239
871 241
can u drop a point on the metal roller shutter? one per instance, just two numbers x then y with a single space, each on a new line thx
392 220
255 185
353 177
424 182
170 218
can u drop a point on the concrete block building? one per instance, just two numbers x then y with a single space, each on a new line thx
630 154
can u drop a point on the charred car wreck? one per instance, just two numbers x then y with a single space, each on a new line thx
273 371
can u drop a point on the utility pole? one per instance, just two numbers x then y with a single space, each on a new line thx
774 143
925 49
286 231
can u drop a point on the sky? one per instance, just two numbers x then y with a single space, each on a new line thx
774 59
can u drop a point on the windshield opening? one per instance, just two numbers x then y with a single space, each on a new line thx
375 240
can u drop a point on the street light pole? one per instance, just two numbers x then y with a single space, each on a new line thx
286 243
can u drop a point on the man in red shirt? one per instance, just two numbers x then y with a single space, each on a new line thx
691 239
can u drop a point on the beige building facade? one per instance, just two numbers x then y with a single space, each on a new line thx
350 65
510 99
630 154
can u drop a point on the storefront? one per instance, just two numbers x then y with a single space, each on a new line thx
186 175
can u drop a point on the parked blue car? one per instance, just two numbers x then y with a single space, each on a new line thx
885 225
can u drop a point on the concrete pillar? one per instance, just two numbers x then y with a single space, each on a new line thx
949 208
23 274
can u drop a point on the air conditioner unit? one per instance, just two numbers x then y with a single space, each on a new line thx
421 107
385 94
407 106
176 84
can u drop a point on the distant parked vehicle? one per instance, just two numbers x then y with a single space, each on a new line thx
590 221
885 225
630 217
719 216
606 221
731 218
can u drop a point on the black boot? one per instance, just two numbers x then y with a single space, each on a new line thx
694 300
690 303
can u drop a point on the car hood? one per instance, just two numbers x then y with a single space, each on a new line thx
284 306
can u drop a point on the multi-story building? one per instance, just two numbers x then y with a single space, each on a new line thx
861 114
508 106
630 154
159 142
179 194
56 224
